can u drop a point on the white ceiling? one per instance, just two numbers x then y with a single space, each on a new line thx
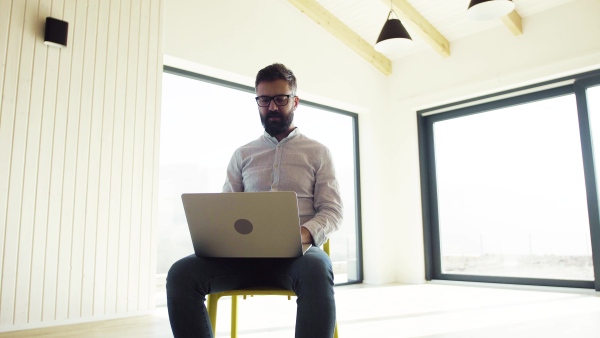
366 17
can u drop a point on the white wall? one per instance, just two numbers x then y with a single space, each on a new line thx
78 153
232 40
557 42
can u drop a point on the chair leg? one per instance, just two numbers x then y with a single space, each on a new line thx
211 305
234 319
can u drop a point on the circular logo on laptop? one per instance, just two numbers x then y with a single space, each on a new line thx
243 226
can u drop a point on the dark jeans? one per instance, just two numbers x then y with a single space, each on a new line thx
310 277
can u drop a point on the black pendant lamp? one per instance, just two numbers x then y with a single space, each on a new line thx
489 9
393 36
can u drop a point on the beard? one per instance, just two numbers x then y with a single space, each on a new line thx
277 127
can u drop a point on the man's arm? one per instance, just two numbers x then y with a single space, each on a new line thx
327 203
234 181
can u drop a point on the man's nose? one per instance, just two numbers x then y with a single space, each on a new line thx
272 105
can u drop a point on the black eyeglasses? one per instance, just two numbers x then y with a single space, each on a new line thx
280 100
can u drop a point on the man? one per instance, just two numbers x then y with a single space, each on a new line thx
281 160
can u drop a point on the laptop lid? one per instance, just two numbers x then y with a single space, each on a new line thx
244 224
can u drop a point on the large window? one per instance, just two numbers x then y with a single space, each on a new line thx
509 188
203 121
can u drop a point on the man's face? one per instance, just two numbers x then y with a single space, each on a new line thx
277 120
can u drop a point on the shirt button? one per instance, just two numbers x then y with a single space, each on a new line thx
276 166
274 186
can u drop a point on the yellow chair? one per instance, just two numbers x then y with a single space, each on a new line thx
213 299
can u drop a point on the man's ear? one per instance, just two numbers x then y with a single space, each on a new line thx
296 101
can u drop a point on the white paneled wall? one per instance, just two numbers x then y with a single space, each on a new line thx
78 160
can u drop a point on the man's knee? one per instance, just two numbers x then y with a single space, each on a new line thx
179 273
317 264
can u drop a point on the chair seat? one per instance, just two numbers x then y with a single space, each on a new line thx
256 291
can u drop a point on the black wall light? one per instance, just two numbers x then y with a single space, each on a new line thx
56 32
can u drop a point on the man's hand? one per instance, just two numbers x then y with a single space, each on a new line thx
306 236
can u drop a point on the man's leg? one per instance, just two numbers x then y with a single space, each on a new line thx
191 279
311 278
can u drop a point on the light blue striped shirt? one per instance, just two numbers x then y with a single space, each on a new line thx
299 164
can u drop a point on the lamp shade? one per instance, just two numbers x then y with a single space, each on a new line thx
489 9
393 37
56 32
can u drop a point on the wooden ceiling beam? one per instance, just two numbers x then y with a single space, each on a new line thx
512 21
409 15
333 25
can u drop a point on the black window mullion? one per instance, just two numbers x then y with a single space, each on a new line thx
433 266
425 148
589 171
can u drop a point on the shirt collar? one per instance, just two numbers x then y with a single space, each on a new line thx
293 134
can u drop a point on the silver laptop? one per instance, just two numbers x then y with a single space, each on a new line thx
244 224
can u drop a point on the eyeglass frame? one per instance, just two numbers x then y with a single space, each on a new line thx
272 98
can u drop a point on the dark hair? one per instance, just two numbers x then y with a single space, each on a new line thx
276 71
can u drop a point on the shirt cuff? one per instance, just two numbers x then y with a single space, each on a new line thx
318 235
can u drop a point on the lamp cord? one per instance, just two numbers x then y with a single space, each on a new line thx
392 11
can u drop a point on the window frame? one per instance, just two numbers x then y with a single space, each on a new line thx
355 145
577 85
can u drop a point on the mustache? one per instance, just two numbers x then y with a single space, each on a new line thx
273 114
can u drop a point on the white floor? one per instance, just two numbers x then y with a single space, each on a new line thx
434 310
431 310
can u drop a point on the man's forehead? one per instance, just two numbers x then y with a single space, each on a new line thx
270 86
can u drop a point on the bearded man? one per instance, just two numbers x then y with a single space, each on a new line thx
282 159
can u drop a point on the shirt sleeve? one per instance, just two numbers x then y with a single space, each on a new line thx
327 202
234 181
